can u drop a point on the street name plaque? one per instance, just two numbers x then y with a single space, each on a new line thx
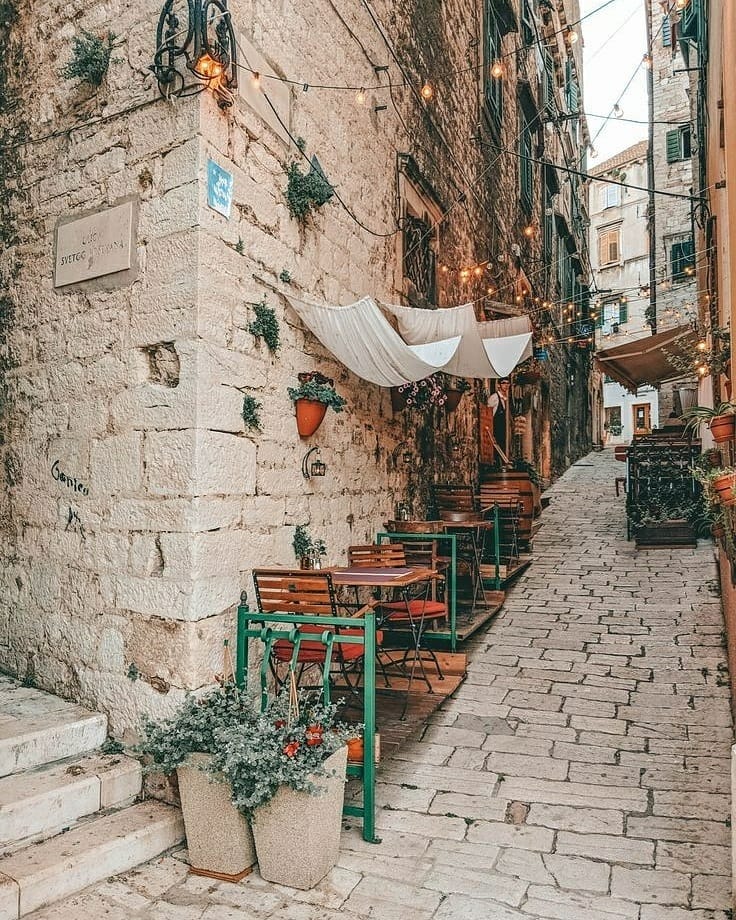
95 245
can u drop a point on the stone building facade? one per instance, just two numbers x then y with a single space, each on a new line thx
135 500
672 219
619 249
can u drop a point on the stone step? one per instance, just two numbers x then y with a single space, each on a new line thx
43 801
38 728
106 845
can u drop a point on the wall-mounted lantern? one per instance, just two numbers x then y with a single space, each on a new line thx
401 450
314 468
199 43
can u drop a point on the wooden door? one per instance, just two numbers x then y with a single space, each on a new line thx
642 418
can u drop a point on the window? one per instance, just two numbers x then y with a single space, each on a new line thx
572 93
679 144
526 166
493 89
420 237
666 32
611 196
527 23
609 246
550 103
612 313
682 260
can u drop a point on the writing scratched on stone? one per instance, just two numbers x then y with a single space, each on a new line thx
70 482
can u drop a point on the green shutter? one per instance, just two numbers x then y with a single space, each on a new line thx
667 32
549 82
623 312
689 21
674 146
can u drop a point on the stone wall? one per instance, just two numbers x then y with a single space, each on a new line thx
136 501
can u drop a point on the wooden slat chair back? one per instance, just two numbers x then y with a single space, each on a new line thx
448 497
295 591
377 555
510 508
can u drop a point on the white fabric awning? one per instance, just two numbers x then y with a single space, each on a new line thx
450 340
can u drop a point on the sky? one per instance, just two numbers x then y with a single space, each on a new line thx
614 43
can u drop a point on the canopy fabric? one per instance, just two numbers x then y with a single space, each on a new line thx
451 340
648 360
365 342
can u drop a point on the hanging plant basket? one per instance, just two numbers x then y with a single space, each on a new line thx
309 415
398 399
723 428
723 487
453 399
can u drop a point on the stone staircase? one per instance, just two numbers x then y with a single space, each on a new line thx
69 815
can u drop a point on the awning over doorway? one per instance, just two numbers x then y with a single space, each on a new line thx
450 340
649 359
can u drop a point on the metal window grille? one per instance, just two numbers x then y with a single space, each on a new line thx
419 258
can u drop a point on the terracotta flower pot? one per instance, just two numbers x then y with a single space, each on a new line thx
398 399
723 428
356 751
453 399
309 415
723 486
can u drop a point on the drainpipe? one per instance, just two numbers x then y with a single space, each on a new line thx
651 212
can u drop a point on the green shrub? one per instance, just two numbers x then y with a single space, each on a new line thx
90 58
265 326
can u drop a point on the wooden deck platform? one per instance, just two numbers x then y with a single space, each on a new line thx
394 730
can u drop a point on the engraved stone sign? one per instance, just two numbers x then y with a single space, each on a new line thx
99 244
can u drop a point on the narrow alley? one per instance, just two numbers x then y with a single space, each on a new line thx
580 772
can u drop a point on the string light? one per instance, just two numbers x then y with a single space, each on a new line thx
360 97
702 346
497 70
618 111
571 36
647 61
464 274
478 271
681 4
427 92
256 79
529 231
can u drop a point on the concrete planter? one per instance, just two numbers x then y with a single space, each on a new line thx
297 834
219 838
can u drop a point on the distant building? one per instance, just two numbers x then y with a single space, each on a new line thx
619 252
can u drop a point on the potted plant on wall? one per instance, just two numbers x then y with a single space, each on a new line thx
219 838
420 394
289 778
454 389
721 420
314 395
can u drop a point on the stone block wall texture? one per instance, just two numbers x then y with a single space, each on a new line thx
136 502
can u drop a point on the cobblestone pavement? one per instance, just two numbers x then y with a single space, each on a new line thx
580 773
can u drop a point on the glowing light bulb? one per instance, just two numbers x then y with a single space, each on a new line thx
427 92
529 231
478 271
681 4
518 298
444 269
497 70
647 61
571 36
208 67
256 79
464 274
702 370
360 97
702 346
618 112
490 290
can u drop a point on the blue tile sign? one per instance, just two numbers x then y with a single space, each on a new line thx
219 188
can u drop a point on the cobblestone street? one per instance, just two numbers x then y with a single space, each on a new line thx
581 772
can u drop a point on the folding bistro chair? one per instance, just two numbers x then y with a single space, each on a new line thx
457 506
509 507
411 614
312 594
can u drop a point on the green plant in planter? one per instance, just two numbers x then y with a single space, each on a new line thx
305 192
305 547
697 415
195 728
285 746
265 326
252 413
90 58
317 387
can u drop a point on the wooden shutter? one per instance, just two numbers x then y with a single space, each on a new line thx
674 145
623 312
667 32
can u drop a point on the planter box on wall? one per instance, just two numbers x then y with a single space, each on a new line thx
297 835
219 839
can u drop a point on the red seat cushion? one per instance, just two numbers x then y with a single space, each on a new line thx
400 610
311 652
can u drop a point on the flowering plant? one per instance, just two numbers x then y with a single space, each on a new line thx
424 394
286 745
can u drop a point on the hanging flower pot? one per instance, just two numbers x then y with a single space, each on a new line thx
314 395
723 487
453 399
309 415
398 399
723 428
